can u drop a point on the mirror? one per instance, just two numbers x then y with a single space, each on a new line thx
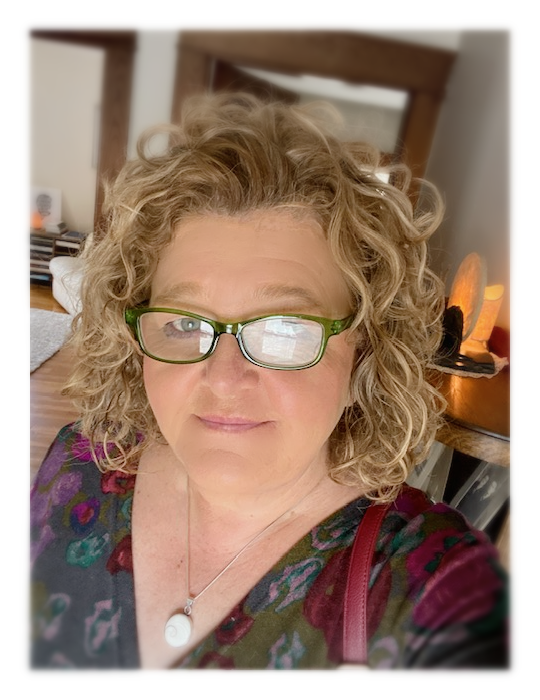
214 60
370 113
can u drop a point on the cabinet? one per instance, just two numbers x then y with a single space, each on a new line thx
44 246
469 464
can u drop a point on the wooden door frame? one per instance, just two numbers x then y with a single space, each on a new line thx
119 49
354 57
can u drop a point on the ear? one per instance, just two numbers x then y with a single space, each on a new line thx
359 341
350 400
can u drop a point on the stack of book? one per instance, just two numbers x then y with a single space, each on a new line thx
45 245
41 251
69 243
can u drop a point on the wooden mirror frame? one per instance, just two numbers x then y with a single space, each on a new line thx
354 57
119 49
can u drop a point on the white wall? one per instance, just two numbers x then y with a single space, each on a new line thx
65 82
65 88
377 125
153 83
469 162
443 39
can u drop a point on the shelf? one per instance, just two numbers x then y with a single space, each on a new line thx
44 246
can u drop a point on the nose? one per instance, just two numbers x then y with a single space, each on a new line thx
226 370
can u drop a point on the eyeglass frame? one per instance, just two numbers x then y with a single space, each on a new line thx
330 326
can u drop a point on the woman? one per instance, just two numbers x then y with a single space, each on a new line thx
257 322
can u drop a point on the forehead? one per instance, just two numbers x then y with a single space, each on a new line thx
233 260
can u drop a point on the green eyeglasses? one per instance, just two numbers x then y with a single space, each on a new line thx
284 341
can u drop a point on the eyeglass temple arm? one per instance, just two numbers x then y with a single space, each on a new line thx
335 327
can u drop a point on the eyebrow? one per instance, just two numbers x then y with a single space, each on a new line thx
291 294
173 294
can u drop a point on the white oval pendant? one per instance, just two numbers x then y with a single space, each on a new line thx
178 630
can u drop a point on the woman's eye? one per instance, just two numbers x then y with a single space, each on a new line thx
182 325
188 324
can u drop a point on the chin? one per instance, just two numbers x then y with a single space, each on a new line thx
217 451
219 469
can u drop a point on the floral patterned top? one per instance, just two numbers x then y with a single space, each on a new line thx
437 594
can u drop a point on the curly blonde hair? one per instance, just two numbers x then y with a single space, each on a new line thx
233 154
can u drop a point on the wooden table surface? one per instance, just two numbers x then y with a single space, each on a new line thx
478 415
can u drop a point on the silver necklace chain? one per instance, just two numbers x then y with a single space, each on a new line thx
179 626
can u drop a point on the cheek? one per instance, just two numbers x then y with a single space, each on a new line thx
317 397
153 385
334 385
152 376
163 385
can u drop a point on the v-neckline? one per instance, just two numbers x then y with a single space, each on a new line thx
350 513
348 518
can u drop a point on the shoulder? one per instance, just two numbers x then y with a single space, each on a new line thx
437 589
415 521
80 528
425 538
61 472
71 454
69 491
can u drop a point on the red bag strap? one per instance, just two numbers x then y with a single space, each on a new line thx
355 609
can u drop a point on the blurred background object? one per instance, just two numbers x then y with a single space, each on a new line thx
469 320
438 100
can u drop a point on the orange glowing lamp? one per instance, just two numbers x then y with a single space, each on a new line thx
480 304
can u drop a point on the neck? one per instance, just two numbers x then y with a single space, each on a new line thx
218 512
241 516
230 518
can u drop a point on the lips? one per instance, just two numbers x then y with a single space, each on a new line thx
229 424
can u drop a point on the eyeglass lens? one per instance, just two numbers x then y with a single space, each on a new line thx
277 341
